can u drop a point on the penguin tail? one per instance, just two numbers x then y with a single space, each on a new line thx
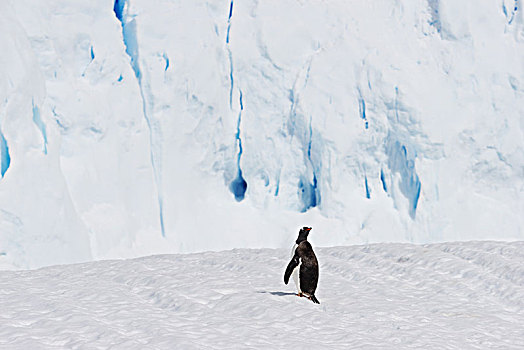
314 299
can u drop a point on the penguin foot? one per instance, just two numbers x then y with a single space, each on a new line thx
310 297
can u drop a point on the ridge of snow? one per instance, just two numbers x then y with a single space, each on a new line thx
467 295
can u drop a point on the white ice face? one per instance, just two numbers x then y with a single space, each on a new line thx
151 127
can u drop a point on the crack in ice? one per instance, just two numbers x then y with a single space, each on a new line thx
5 158
131 45
37 119
239 186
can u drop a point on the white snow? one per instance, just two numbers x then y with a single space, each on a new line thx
380 296
134 129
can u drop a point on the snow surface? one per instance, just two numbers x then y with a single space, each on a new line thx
380 296
151 126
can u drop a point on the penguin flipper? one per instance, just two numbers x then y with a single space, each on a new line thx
290 267
314 299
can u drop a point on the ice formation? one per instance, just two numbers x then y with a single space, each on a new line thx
135 127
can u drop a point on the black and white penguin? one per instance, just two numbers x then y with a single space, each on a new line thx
303 266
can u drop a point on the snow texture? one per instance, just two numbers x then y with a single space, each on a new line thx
379 296
134 127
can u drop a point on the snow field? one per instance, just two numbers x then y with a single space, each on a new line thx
465 295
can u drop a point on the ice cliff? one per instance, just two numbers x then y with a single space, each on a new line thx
134 127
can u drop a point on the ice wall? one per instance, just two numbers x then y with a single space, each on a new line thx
38 222
196 125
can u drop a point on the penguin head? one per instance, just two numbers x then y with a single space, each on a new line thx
302 234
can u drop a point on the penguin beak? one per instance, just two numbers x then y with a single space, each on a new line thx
308 228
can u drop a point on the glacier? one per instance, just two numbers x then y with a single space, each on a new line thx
136 127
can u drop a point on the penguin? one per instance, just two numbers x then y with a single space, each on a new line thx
303 266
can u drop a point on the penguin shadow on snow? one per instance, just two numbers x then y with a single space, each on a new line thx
279 294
